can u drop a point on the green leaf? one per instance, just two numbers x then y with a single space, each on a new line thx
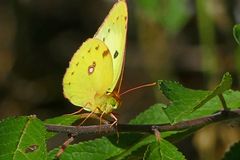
163 150
231 97
22 138
154 115
233 153
186 101
61 120
214 105
236 33
98 149
133 147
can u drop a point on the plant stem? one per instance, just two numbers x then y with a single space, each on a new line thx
106 128
224 104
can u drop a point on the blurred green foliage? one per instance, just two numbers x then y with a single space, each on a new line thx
170 14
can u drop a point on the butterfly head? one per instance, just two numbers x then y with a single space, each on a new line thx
112 103
106 103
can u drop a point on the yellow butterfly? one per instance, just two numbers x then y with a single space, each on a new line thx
94 76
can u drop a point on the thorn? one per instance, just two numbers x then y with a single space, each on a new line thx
157 134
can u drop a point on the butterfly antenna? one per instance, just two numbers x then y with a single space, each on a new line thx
138 87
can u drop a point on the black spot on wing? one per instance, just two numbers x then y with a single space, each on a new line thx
77 63
109 30
115 54
97 47
103 39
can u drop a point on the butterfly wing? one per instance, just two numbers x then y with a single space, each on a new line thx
113 33
90 73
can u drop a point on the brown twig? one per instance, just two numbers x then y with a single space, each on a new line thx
106 128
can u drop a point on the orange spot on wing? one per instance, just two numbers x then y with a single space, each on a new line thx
105 53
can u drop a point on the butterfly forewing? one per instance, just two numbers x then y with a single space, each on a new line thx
113 33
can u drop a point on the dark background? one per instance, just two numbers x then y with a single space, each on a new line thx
186 41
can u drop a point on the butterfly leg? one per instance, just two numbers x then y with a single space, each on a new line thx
115 123
100 121
80 110
95 116
89 115
101 118
115 119
77 112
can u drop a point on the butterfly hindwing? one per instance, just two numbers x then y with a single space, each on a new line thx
90 72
